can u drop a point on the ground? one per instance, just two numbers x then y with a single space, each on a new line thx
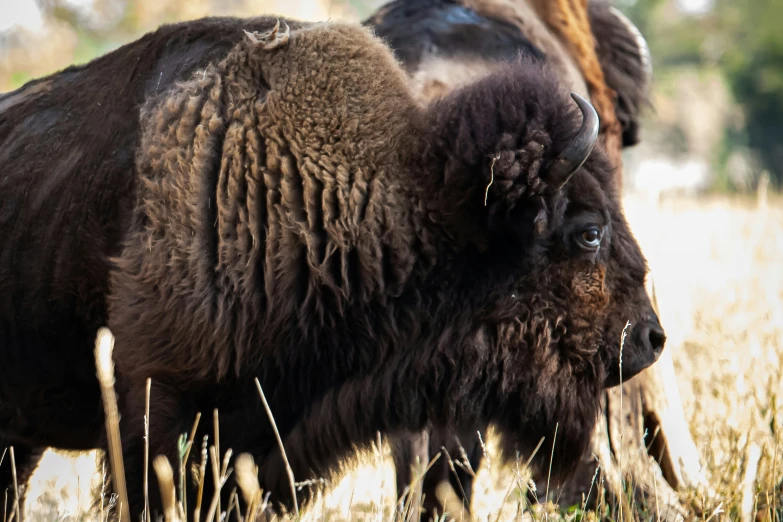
719 281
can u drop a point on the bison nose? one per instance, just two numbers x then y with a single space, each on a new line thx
652 337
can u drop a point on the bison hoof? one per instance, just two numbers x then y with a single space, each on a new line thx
272 39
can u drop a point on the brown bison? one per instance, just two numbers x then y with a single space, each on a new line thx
446 44
240 200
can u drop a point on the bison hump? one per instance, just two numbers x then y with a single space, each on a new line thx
269 191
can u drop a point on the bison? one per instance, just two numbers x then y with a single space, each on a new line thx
242 199
445 44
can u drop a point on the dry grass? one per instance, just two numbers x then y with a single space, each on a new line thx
718 272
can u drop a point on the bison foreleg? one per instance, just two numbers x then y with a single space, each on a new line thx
456 467
171 414
333 428
14 474
466 453
410 452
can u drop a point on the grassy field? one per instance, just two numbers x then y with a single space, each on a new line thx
718 269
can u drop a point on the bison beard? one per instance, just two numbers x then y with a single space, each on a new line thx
377 265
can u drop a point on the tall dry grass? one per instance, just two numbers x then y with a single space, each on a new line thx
718 268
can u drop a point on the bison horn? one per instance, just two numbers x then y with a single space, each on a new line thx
580 148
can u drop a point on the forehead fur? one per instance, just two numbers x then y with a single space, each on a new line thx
522 106
524 100
593 185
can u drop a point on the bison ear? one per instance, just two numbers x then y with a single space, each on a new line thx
577 152
625 60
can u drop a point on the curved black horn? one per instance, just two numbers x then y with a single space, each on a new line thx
580 148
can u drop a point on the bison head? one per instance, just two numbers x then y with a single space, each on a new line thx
567 314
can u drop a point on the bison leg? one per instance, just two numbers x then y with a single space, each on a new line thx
173 409
409 450
438 473
470 444
456 467
460 448
171 414
24 462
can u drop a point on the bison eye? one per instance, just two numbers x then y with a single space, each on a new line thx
589 238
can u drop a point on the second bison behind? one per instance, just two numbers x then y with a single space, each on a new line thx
378 265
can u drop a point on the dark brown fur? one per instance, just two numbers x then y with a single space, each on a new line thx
298 218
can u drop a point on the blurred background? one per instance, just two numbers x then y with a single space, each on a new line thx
717 63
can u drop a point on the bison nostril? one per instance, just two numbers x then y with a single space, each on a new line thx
656 338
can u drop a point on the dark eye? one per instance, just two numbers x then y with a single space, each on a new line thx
589 238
